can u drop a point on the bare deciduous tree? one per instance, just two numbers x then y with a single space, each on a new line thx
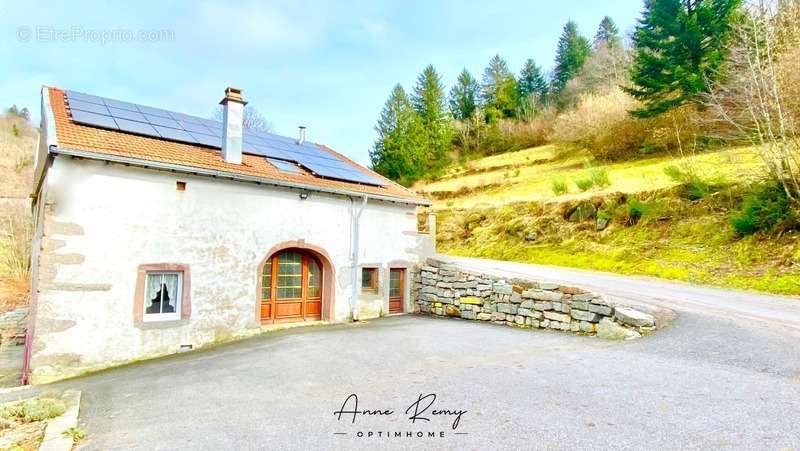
252 120
751 102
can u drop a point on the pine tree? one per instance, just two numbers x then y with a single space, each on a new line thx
531 83
607 35
397 153
465 96
430 103
499 89
680 50
571 53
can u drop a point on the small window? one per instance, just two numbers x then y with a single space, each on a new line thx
369 279
163 296
284 166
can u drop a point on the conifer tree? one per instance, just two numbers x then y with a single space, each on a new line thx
531 82
680 50
464 96
571 53
607 35
430 103
499 89
398 151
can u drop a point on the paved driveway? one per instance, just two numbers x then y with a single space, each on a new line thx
701 383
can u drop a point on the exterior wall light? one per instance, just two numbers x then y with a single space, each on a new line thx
304 195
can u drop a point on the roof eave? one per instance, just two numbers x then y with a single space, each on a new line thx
93 155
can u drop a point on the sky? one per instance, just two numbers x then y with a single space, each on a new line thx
329 65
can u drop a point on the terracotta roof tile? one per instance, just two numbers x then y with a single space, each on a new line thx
109 142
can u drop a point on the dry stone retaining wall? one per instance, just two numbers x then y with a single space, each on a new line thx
13 325
444 289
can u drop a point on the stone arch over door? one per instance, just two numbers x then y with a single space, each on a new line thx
328 286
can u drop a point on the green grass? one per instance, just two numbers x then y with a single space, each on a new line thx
673 238
537 169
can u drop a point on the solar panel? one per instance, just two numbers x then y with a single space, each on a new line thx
281 151
284 166
207 140
90 107
126 114
135 127
95 119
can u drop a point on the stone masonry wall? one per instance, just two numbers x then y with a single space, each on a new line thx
13 325
445 290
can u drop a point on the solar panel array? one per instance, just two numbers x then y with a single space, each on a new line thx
155 122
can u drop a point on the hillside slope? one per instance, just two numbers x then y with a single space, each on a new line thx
17 145
504 207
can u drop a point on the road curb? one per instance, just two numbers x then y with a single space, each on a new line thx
54 439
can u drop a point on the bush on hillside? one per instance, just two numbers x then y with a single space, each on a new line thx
584 184
559 187
599 177
765 209
602 124
694 187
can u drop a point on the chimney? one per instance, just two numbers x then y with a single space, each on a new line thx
232 119
301 134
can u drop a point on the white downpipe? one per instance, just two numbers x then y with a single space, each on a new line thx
355 216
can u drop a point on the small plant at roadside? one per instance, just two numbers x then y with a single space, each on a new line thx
584 184
559 187
75 433
15 130
36 409
764 210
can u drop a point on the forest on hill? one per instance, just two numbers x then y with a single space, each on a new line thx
694 76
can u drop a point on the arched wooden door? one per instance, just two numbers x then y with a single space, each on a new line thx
291 287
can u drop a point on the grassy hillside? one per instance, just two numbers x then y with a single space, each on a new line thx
504 207
17 145
528 175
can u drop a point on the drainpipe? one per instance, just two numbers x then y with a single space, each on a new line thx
355 215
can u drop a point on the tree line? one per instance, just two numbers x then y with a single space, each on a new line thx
672 58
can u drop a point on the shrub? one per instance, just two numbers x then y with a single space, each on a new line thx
15 247
763 210
599 177
36 409
601 123
584 184
694 186
635 210
559 187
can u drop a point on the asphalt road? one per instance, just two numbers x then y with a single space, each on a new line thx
756 308
724 375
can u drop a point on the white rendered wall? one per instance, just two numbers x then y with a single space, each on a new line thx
107 219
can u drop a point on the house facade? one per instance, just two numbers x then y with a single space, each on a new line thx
151 243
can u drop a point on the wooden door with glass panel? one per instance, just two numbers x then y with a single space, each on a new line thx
291 288
397 279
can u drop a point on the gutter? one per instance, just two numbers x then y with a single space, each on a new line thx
229 175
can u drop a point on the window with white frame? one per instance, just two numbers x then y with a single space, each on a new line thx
162 300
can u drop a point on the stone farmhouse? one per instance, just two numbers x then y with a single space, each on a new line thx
157 232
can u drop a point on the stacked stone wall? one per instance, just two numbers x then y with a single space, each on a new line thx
444 289
13 325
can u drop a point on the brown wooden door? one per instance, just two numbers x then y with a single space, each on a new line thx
291 288
397 280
